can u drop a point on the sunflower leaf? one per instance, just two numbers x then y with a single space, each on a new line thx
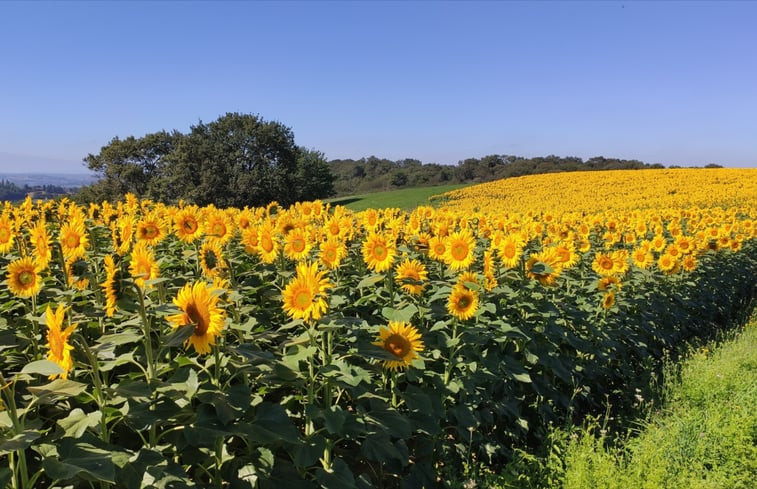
42 367
181 335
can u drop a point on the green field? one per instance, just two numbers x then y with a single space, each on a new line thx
404 199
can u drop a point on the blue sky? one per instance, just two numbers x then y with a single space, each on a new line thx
667 82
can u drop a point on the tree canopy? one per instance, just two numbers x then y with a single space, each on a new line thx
238 160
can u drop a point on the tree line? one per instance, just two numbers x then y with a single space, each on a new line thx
12 192
242 160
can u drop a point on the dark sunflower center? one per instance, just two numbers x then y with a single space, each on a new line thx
4 235
509 250
219 229
379 252
397 345
72 240
210 259
201 325
298 245
26 278
459 251
190 225
464 302
302 298
266 243
150 231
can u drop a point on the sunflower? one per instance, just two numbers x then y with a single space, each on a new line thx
667 263
609 283
186 224
620 261
305 295
122 232
77 270
296 244
566 252
462 302
642 258
685 244
459 250
250 240
331 252
199 307
23 277
544 267
111 286
490 281
211 258
510 249
150 229
143 265
689 263
57 341
268 244
73 238
608 300
7 233
402 340
437 248
219 226
379 252
409 274
41 242
603 264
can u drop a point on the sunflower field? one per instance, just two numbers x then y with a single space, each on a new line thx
152 346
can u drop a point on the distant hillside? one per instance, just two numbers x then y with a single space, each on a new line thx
377 174
16 186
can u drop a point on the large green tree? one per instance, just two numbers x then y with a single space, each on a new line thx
237 160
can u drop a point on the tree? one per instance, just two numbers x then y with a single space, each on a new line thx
314 177
238 160
131 164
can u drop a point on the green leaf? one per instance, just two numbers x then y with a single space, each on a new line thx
81 460
21 441
370 281
522 377
333 419
42 367
541 268
5 476
307 453
58 388
181 335
379 448
339 477
77 422
400 315
272 425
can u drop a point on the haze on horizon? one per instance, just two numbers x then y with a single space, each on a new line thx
660 82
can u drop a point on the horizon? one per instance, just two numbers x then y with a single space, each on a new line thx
662 82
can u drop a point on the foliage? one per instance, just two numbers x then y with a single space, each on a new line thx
379 174
237 160
278 347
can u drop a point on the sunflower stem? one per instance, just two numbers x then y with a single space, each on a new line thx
99 391
146 333
17 464
35 328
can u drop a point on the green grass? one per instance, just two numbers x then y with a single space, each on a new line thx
705 437
404 199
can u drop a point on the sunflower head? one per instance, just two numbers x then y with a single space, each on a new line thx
304 296
379 251
23 277
462 302
402 341
198 306
409 276
59 350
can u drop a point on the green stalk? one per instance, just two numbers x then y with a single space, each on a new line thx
18 468
99 390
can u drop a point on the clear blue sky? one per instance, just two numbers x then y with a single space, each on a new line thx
674 83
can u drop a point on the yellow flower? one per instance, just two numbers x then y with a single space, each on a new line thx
401 340
186 224
23 277
459 250
73 238
510 249
689 263
41 242
211 258
409 274
544 267
642 258
379 252
199 307
667 263
59 351
7 233
268 245
603 264
437 248
111 286
462 302
219 226
150 229
608 300
305 295
296 245
331 252
143 265
608 283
